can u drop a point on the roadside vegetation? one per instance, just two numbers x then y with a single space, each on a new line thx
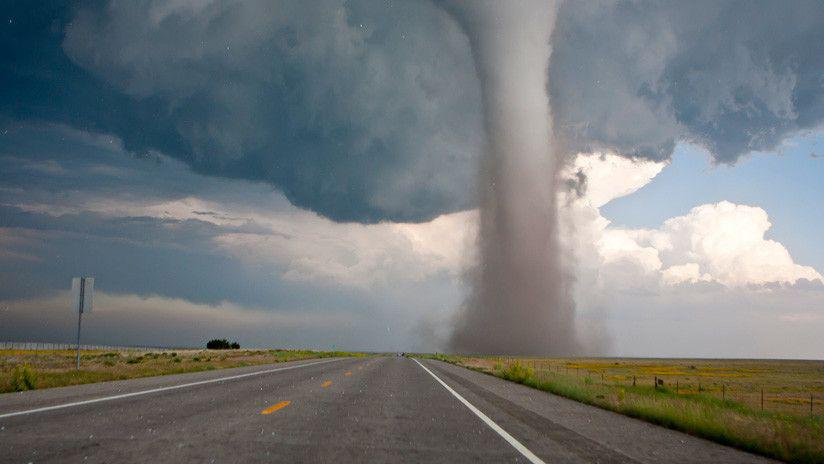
719 400
22 370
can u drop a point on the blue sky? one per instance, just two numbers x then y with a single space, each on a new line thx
787 183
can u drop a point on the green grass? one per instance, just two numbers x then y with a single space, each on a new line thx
29 370
23 378
780 435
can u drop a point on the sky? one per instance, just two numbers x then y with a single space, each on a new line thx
795 169
302 174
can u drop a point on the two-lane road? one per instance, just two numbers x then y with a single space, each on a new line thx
389 409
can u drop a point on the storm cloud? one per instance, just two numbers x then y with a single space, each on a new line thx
360 111
734 76
367 111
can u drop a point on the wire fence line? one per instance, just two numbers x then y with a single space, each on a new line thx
34 346
757 395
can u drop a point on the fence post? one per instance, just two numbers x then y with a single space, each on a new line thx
811 405
633 380
656 382
676 387
762 398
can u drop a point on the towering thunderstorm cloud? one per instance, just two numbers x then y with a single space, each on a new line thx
521 299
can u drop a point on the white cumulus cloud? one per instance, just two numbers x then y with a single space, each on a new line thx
723 242
689 272
728 242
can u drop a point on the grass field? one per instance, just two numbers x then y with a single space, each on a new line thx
720 400
33 369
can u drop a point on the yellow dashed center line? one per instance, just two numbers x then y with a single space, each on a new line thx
326 384
274 408
348 373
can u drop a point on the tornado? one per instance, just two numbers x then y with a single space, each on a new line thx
520 299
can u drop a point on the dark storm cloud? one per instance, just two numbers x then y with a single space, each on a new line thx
637 76
360 111
371 110
38 81
66 168
353 112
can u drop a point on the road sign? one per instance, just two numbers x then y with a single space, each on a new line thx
83 294
82 298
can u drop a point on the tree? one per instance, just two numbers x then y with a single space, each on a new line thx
222 344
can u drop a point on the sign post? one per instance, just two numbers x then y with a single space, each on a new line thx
82 297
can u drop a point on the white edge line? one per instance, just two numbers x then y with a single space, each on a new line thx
529 455
155 390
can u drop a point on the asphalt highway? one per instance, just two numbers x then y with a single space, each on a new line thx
380 409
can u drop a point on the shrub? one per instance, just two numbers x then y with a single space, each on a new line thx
136 360
222 344
23 378
517 372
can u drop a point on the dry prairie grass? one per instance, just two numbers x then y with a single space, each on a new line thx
22 369
787 384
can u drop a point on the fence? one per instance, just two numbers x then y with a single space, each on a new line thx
73 346
786 397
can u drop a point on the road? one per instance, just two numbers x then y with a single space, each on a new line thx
380 409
